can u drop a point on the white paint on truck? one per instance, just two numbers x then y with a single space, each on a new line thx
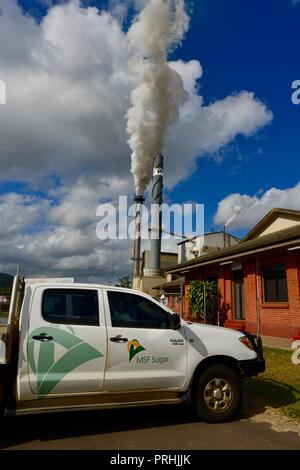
158 365
87 377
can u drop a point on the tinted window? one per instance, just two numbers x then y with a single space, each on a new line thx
135 311
71 306
275 285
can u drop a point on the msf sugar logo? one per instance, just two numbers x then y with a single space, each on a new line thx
296 353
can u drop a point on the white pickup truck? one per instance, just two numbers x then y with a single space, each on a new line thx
81 346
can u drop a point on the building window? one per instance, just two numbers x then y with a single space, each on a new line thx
275 284
238 295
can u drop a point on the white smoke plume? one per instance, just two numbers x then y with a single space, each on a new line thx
159 95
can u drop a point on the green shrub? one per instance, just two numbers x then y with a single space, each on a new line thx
204 300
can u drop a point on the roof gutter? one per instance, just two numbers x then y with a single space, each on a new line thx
234 256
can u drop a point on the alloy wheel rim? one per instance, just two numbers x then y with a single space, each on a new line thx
218 395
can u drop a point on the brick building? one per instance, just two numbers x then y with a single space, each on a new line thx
259 275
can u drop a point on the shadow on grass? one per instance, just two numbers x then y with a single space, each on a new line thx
262 393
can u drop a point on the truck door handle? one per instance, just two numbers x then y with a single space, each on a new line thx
43 337
119 339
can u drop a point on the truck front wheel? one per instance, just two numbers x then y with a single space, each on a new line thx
218 394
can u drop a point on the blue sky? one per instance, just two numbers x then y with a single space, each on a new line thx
46 175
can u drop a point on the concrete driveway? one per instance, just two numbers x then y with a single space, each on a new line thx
165 427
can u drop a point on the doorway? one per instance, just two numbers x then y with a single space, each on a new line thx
238 295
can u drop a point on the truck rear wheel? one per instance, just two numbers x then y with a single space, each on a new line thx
218 394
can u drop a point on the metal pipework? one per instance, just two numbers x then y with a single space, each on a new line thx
137 238
156 224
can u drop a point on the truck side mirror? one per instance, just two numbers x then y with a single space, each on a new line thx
175 321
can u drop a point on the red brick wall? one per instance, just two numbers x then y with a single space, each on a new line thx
174 303
225 290
281 320
250 288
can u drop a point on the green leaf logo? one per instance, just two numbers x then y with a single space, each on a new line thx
50 372
134 347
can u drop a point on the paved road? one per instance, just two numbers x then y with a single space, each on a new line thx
167 427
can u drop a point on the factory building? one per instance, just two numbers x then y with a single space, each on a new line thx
147 283
258 277
170 287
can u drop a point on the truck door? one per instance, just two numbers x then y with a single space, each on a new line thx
66 344
143 351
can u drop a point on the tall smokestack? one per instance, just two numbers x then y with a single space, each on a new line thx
137 238
156 222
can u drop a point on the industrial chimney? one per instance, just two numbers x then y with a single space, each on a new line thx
154 269
137 238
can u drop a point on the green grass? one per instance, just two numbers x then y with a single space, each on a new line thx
278 387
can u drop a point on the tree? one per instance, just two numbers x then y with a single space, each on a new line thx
124 281
204 300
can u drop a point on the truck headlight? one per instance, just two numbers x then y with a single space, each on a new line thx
246 342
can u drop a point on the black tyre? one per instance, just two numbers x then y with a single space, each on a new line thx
218 394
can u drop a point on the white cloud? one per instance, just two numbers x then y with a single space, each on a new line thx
68 84
69 80
206 129
240 211
77 207
67 94
65 243
19 212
